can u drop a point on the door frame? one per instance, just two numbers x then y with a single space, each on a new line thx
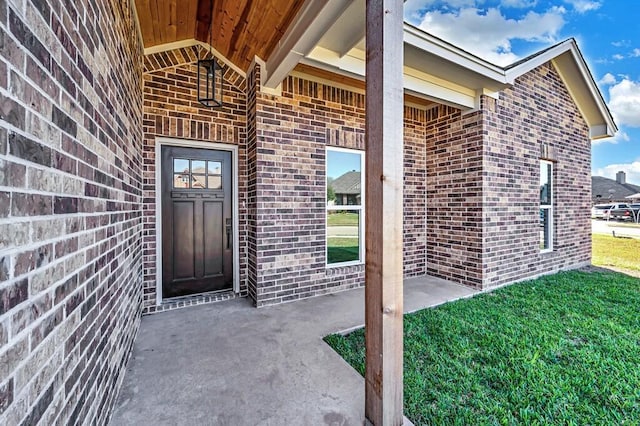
212 146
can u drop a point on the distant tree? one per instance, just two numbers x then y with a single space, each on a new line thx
331 194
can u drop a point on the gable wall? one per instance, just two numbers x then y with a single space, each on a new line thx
535 118
70 219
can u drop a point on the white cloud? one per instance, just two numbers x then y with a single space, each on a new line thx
631 169
620 43
617 57
621 136
624 102
607 79
635 53
583 6
414 10
488 34
518 3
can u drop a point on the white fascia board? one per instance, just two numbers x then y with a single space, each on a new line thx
434 87
442 49
439 93
513 73
311 23
596 95
606 127
348 63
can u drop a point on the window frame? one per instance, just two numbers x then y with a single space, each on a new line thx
548 207
358 208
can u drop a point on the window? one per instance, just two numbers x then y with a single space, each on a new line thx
197 174
546 205
345 201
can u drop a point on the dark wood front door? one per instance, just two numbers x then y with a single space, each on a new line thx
197 234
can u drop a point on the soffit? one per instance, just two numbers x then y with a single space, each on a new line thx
242 29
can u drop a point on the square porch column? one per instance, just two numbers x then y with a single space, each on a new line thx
383 210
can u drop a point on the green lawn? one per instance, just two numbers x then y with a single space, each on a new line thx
562 349
342 249
342 218
622 253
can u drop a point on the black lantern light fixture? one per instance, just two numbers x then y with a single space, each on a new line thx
210 74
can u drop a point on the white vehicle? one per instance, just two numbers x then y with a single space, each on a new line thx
601 211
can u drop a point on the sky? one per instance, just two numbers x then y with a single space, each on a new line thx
607 33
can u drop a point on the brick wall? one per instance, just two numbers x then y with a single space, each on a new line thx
282 176
415 192
70 220
171 109
483 184
534 119
454 195
292 132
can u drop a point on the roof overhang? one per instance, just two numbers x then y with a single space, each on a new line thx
329 35
439 71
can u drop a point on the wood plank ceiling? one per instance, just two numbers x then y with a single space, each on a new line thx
241 29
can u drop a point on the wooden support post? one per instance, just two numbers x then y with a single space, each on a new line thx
384 174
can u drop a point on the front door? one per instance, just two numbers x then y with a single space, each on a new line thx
197 235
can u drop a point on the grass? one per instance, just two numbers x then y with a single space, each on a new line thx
342 219
622 253
561 349
342 249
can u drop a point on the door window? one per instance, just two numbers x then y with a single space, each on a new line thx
197 174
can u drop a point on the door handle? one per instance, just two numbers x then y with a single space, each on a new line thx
228 229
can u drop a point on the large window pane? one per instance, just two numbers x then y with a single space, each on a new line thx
344 178
343 236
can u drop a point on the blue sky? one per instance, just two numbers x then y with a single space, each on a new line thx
607 32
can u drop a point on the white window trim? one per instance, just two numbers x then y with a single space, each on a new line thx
360 208
549 208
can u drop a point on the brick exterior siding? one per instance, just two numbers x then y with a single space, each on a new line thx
70 219
470 180
454 195
483 174
534 119
281 142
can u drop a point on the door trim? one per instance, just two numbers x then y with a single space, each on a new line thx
162 141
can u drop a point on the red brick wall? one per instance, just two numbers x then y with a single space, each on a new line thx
536 117
473 175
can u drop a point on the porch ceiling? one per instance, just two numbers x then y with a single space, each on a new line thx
241 28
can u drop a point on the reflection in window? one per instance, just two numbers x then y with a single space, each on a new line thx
546 205
345 215
197 174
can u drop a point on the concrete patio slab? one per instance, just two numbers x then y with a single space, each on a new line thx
231 364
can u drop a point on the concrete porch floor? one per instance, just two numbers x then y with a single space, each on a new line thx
231 364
